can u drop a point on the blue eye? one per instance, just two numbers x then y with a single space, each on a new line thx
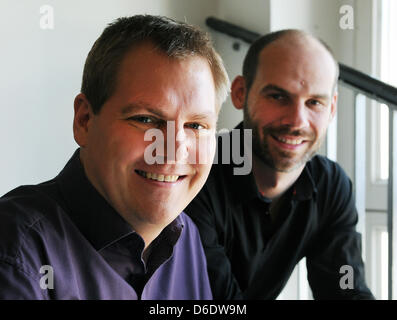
314 102
143 119
276 96
195 126
147 121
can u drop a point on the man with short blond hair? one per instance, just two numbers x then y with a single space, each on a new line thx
111 224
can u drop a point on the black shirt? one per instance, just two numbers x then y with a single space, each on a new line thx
252 253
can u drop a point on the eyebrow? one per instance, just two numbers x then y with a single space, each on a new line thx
272 87
133 107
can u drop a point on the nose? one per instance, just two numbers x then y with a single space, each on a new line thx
181 145
176 143
296 117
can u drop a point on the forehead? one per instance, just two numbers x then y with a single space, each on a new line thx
148 75
290 62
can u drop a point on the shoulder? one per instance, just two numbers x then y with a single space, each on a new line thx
335 198
325 164
24 223
26 205
327 173
20 208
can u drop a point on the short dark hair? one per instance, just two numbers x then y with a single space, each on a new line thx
175 39
250 64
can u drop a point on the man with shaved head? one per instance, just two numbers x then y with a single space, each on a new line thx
294 203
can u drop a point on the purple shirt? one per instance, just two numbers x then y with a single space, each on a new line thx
62 240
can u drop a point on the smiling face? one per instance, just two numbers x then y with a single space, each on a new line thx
151 90
290 103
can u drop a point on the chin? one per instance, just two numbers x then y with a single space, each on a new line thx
288 168
160 215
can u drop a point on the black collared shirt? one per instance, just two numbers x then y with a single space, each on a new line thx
252 255
62 240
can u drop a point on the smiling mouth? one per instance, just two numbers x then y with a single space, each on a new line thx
159 177
289 141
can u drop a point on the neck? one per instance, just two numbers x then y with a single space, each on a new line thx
270 182
147 231
148 235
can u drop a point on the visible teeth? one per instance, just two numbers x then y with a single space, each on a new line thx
289 141
160 177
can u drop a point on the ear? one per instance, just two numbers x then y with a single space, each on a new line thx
238 92
82 117
334 104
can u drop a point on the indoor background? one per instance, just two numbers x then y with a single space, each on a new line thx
42 61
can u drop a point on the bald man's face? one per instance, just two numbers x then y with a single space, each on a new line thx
291 102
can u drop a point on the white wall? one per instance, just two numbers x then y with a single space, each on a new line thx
253 15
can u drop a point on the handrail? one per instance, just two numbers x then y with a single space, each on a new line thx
371 87
362 82
232 30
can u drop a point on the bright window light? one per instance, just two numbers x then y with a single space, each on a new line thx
384 142
388 74
384 264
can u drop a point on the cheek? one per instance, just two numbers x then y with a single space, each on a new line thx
320 124
201 174
124 145
201 148
266 116
203 156
205 150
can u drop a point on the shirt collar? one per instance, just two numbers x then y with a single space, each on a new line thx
96 219
304 187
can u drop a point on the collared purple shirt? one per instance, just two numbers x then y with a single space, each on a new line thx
62 240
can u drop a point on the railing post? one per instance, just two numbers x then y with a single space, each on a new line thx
392 204
360 163
332 139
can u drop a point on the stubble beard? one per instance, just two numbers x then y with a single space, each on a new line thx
282 161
